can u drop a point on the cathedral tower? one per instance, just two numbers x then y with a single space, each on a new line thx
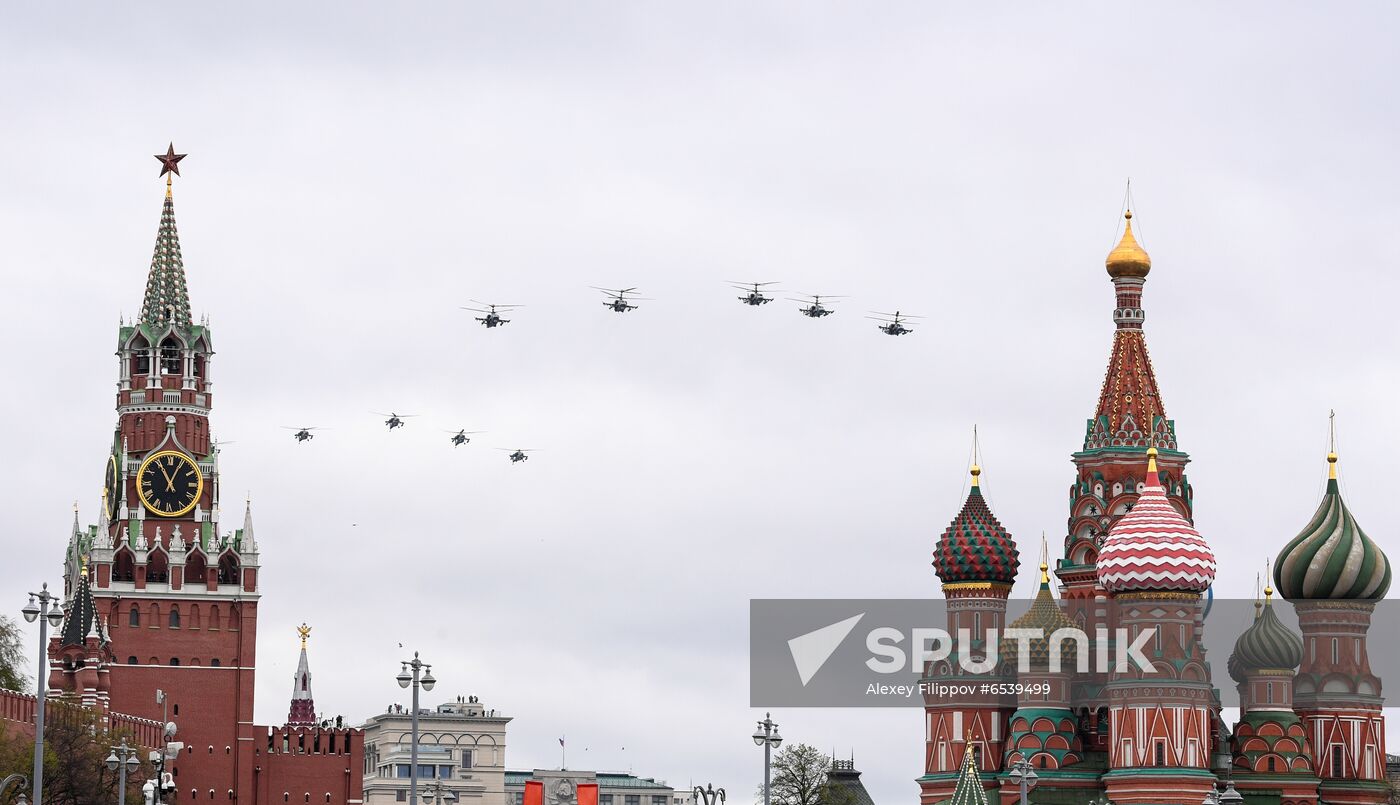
1155 566
1334 574
976 561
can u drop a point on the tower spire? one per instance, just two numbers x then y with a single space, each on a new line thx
303 710
167 299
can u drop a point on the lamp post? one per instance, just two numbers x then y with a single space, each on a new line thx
123 760
1024 776
421 675
47 616
438 794
767 737
1227 797
709 795
13 780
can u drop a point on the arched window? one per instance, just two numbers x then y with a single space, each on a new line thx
214 622
155 616
233 619
175 616
134 619
228 569
140 356
157 567
194 616
124 569
131 660
195 568
215 663
170 356
174 660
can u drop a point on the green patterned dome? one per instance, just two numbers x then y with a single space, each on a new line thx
1267 645
1045 614
975 547
1332 558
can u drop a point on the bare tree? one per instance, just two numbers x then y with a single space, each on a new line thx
75 752
798 776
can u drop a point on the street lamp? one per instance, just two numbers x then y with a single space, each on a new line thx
124 758
1227 797
1024 776
710 795
47 616
767 737
437 794
421 676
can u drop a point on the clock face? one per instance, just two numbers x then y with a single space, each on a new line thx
169 483
113 494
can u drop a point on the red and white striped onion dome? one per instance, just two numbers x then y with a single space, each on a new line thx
1153 547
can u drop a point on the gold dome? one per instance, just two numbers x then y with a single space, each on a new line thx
1128 259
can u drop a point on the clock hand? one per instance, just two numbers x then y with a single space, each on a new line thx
169 482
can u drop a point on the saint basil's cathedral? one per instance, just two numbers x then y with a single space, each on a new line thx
161 596
1311 730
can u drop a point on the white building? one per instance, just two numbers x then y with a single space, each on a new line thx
461 743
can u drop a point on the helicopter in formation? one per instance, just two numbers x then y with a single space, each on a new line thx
814 308
491 317
460 437
302 434
617 298
516 456
396 420
893 323
754 295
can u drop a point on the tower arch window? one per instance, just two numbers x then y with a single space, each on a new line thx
131 660
214 621
170 359
194 616
155 616
228 569
175 616
195 568
1159 753
175 661
1338 764
124 569
215 663
158 567
140 357
134 619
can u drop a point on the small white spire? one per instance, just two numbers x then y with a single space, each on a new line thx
249 544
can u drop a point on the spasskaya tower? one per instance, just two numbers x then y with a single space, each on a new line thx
163 595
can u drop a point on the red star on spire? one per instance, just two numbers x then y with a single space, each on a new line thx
170 161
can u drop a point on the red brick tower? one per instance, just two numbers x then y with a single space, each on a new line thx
179 597
976 560
1129 419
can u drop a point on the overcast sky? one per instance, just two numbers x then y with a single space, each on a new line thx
357 171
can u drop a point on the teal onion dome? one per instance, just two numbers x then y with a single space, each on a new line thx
1332 558
1045 614
1268 645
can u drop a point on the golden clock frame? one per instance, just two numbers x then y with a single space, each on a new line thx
198 490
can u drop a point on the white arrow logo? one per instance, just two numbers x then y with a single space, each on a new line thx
811 651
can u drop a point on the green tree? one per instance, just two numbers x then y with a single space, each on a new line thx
798 776
12 656
75 753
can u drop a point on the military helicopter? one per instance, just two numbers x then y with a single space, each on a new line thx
492 318
618 300
459 437
516 456
395 420
893 323
815 309
754 296
302 434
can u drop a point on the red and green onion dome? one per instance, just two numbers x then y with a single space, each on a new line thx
1153 547
1267 645
1332 558
975 547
